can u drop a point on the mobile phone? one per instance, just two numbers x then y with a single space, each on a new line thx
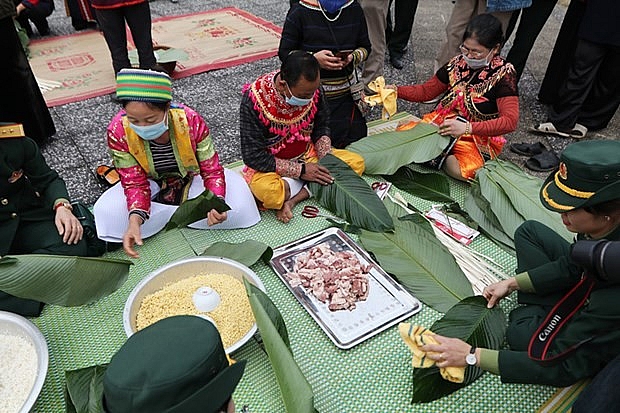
342 54
461 119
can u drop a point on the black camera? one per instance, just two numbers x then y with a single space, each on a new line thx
600 258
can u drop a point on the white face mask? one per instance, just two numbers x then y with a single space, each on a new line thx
477 63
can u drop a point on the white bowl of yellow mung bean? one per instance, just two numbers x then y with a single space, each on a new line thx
168 291
23 363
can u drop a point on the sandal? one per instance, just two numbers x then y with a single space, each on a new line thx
527 149
107 175
549 128
578 131
543 162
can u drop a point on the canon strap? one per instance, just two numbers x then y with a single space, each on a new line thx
559 315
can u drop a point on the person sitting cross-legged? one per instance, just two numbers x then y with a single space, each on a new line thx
284 132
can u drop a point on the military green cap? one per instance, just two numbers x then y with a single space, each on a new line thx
588 174
177 365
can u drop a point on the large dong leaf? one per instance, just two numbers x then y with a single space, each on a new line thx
522 190
65 281
295 389
431 186
420 262
195 209
471 321
385 152
247 252
84 389
351 198
508 217
478 208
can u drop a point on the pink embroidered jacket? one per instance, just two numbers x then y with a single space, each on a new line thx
193 150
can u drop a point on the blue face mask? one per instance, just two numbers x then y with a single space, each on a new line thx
294 100
151 132
332 6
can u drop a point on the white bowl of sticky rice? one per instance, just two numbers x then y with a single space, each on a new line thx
23 363
172 289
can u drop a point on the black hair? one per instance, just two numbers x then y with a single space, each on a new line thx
298 64
161 106
486 29
608 208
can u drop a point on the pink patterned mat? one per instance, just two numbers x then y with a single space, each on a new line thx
213 39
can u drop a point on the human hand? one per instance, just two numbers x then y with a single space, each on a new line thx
328 61
132 236
449 352
68 226
496 291
452 127
20 8
214 217
317 173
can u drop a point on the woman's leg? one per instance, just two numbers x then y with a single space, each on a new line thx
243 211
139 21
112 24
112 216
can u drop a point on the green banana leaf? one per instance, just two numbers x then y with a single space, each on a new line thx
351 198
419 261
65 281
247 252
508 217
523 191
431 186
295 389
196 209
471 321
84 389
385 152
479 209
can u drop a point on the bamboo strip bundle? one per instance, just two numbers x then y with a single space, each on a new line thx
479 269
47 85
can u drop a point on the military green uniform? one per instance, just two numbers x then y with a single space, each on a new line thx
588 175
28 192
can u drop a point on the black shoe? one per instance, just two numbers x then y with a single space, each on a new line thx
398 62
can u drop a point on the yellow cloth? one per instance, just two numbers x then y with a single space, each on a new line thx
386 97
417 336
268 187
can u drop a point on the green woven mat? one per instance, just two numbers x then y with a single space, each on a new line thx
374 376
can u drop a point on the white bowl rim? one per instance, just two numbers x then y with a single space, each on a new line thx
42 355
205 258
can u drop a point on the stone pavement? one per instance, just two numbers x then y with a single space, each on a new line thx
79 144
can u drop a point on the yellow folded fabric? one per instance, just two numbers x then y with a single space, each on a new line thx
386 97
417 336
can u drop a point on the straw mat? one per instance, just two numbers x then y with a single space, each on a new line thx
212 39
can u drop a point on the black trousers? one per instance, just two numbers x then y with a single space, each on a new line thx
346 122
591 93
397 35
21 100
602 394
38 15
562 54
533 19
138 18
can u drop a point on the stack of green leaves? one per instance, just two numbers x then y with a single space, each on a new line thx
385 152
502 197
471 321
420 262
350 197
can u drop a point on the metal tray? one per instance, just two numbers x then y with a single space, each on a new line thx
387 302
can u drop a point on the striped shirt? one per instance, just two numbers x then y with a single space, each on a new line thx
163 157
